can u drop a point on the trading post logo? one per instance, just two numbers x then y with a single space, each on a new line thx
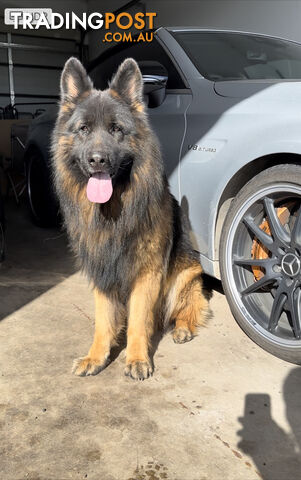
35 18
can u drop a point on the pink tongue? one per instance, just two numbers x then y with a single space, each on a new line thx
99 188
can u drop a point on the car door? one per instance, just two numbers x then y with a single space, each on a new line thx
167 119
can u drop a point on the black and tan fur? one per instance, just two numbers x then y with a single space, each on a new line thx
134 248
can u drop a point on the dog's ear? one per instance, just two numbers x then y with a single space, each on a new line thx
74 80
127 83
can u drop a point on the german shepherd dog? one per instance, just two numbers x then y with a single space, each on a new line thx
124 225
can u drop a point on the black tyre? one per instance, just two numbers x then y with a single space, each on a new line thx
42 202
260 260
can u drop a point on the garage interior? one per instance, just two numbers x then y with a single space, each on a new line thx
216 408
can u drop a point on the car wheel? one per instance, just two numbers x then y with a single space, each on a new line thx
260 260
42 202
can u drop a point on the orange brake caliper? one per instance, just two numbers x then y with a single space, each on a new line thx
259 251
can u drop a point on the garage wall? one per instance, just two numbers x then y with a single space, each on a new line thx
37 73
41 83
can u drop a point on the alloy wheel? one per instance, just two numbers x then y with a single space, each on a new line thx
269 301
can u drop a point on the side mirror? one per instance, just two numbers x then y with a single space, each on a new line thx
155 89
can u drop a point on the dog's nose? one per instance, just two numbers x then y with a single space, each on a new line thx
96 160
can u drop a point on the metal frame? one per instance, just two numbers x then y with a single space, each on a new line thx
48 37
31 95
31 65
10 70
10 44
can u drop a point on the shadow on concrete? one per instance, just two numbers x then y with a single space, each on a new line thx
276 453
36 260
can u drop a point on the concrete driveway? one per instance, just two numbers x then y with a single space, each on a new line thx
218 408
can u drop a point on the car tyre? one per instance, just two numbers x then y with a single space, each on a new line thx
42 202
260 260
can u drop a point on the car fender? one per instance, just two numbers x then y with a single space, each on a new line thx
209 164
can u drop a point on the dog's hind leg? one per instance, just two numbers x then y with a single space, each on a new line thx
185 303
141 316
107 325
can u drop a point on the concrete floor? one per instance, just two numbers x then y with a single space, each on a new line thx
218 408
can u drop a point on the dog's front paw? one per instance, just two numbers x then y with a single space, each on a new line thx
182 335
86 366
138 370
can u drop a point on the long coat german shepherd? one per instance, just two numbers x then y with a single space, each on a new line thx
124 225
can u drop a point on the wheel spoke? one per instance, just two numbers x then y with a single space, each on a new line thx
277 230
263 282
296 233
277 309
254 262
263 237
294 305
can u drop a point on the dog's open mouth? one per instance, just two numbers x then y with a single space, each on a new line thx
99 188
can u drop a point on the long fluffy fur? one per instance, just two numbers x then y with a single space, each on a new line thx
140 230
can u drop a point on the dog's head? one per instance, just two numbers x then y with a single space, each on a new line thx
101 126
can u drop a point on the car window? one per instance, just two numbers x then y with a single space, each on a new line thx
151 57
236 56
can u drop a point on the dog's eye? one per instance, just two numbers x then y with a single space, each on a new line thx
115 128
84 129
